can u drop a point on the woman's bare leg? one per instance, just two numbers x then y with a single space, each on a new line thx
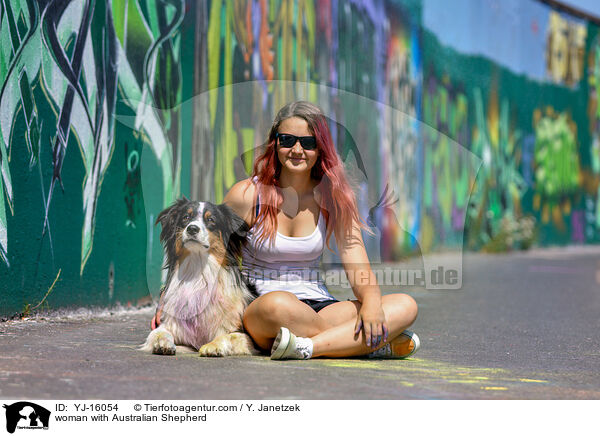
340 341
265 315
331 330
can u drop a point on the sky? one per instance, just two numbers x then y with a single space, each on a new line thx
510 32
592 7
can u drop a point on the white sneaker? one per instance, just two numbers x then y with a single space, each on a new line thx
289 346
404 345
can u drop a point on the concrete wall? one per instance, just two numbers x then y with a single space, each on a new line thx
484 126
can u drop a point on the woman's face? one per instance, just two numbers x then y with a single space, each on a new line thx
296 159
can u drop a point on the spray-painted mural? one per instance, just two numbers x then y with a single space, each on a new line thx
109 110
68 71
274 52
536 183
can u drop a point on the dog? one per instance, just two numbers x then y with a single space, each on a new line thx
205 293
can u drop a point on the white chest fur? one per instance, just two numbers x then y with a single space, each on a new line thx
202 300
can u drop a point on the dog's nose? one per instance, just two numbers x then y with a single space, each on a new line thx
193 230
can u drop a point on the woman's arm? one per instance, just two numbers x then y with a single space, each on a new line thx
364 285
242 199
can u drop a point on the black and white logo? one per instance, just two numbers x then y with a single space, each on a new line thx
26 415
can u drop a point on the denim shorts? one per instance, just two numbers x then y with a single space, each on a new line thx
317 305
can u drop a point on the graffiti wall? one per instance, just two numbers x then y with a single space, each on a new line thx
77 135
525 117
451 135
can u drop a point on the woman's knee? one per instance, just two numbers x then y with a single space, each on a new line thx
274 306
401 309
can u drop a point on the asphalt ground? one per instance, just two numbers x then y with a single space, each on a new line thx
523 326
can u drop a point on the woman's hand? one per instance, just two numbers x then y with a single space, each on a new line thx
156 319
371 320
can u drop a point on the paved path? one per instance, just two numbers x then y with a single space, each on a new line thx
523 326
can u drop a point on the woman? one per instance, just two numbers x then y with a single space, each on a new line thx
298 196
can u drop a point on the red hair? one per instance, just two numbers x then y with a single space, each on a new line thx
338 202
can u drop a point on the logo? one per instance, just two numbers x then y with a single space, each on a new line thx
26 415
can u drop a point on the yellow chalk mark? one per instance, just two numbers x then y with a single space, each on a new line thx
463 381
349 364
404 371
418 367
441 366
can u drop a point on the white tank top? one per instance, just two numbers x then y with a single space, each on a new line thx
291 264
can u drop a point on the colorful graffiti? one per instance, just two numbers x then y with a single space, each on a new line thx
254 41
565 48
264 54
591 178
557 174
399 141
496 202
448 148
449 168
536 183
69 71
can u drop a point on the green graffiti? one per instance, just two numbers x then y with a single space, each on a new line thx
289 29
500 185
595 146
78 59
557 162
448 171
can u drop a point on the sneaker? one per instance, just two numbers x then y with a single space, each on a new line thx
289 346
401 347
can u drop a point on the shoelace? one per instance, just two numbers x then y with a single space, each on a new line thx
303 348
304 352
386 350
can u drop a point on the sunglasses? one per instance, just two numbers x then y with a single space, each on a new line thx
287 141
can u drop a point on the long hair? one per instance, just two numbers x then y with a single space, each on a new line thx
338 202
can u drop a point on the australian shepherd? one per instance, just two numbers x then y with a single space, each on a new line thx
205 294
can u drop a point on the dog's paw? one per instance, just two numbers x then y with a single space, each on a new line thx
242 345
160 341
231 344
213 349
164 345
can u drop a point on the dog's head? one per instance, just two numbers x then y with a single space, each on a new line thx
202 228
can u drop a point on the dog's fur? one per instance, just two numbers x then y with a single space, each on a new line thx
205 294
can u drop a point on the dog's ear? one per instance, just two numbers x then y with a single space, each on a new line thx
167 215
237 225
235 232
164 215
168 219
